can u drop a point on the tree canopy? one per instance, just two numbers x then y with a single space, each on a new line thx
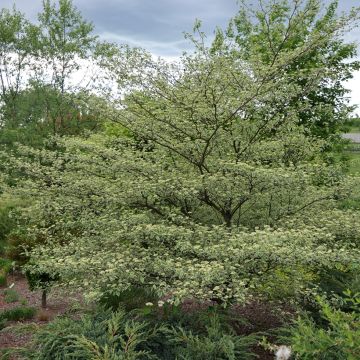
268 30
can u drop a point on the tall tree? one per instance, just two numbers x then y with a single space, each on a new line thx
18 46
269 30
67 45
47 73
215 192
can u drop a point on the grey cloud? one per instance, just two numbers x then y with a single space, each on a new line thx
157 21
154 24
158 25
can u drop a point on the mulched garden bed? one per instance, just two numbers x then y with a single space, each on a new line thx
257 316
58 303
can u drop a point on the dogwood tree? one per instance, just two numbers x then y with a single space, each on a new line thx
206 191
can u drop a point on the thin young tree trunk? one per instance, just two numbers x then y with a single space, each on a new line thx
43 299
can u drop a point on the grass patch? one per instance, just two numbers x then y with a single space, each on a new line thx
350 158
10 296
18 313
354 162
354 126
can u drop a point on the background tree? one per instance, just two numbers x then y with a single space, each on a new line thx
268 30
18 48
44 86
47 87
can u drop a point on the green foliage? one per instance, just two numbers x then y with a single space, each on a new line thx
130 299
339 340
5 267
116 335
18 42
353 125
39 280
3 277
10 295
211 185
17 313
213 345
268 30
214 195
42 111
337 281
103 335
23 302
354 162
16 244
8 208
38 93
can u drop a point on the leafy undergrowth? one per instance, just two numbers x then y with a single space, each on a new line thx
193 331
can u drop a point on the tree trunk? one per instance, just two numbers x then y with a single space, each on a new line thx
43 299
227 219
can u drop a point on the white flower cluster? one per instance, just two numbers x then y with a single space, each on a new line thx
283 353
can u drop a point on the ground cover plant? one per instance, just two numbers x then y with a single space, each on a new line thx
121 335
215 179
10 295
16 313
5 267
338 338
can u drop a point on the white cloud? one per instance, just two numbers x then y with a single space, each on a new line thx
158 48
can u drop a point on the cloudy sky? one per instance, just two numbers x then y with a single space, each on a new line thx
158 25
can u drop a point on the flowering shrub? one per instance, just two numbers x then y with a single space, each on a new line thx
211 190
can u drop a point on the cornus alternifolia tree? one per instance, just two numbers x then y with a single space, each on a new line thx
206 191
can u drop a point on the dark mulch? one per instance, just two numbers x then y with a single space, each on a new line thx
254 317
261 317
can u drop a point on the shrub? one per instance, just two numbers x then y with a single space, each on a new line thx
332 284
3 276
23 302
339 340
40 280
210 196
215 344
7 221
17 313
101 335
133 298
121 335
10 295
14 249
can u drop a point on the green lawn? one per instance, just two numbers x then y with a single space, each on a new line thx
354 162
354 126
354 169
